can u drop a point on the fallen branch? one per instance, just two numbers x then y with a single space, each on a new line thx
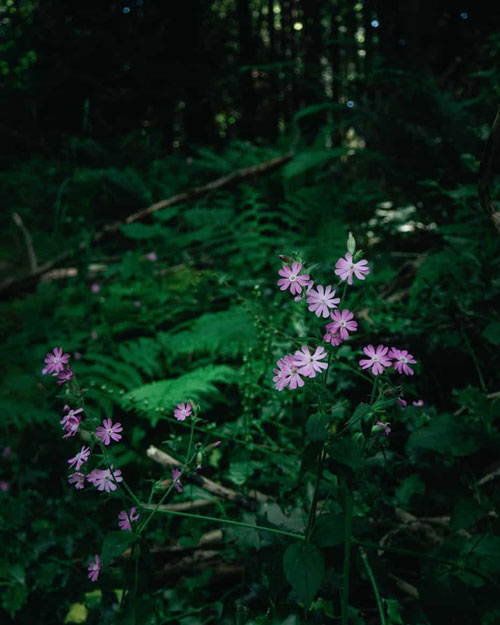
248 502
12 285
27 240
485 168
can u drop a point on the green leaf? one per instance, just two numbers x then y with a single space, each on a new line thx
346 452
317 427
444 434
394 611
114 544
467 512
77 613
410 486
492 333
304 569
309 457
329 530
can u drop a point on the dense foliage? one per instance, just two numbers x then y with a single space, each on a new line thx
184 305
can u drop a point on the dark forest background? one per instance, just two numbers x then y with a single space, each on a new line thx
375 117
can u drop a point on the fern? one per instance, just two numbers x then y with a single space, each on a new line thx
143 353
156 399
227 333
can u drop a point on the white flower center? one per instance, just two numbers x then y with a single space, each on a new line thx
56 359
403 359
375 358
342 323
292 277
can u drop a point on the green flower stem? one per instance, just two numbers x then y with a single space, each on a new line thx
347 553
429 556
373 582
314 502
201 517
343 293
374 389
344 365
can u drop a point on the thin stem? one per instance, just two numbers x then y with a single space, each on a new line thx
312 511
373 582
201 517
374 388
429 556
347 552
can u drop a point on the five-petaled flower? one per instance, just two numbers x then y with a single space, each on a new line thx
287 374
105 479
182 411
333 339
345 268
419 403
124 519
81 458
70 414
56 361
94 568
77 479
377 359
177 482
321 299
402 360
71 426
108 431
291 278
343 323
65 375
385 427
309 364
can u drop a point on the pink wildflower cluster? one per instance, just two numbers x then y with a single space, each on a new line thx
382 357
57 365
292 367
339 328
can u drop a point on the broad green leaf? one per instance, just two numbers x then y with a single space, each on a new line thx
114 544
444 434
304 569
492 333
77 613
317 427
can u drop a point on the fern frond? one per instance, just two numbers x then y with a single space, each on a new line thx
157 399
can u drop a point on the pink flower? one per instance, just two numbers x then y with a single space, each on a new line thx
81 457
342 323
182 411
292 279
65 376
137 303
4 486
77 355
108 431
77 479
94 335
95 288
402 402
70 414
104 479
56 361
385 426
309 364
71 426
403 359
124 519
7 452
320 300
308 287
377 359
287 374
177 482
151 256
418 403
346 268
333 339
94 568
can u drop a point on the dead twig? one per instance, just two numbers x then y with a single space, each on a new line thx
249 502
27 240
485 170
15 284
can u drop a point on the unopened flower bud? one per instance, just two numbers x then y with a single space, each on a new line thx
381 427
286 259
199 459
351 244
